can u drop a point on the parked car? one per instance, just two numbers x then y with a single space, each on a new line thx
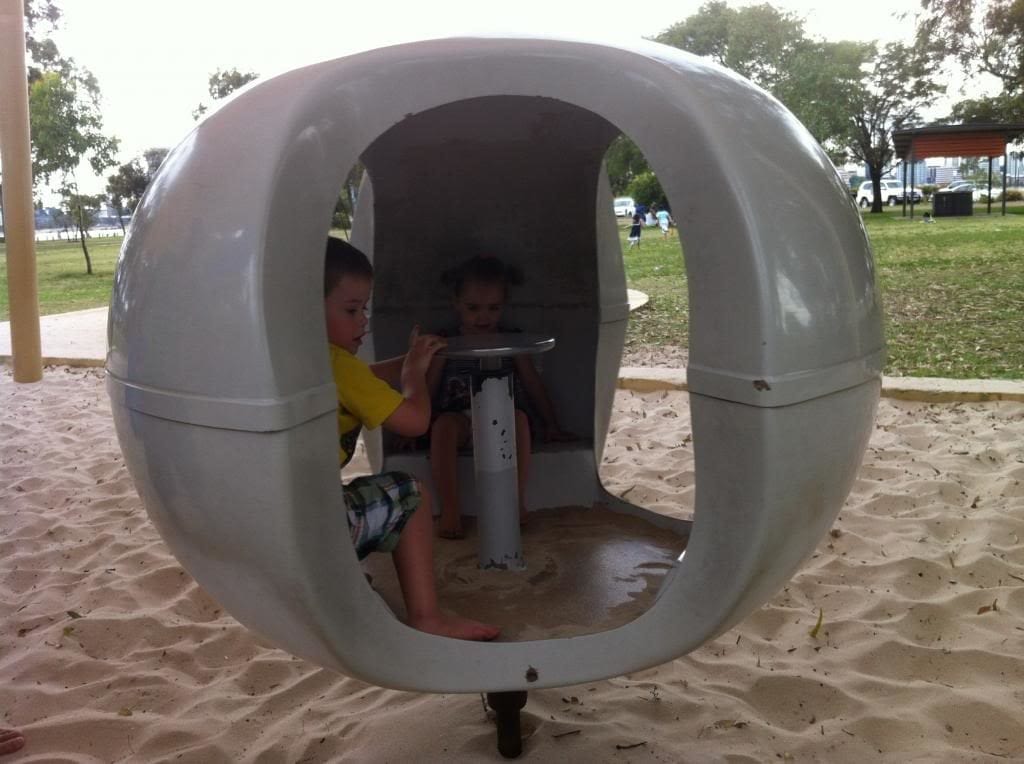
624 206
963 186
892 193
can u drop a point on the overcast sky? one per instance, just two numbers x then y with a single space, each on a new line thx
153 59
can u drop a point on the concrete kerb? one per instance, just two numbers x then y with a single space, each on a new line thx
926 389
80 339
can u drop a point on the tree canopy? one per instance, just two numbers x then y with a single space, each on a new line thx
223 83
984 38
67 124
900 83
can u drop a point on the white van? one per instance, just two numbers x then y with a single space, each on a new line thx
624 206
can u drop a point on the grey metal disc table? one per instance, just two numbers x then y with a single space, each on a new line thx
494 441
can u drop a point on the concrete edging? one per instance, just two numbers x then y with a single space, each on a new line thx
927 389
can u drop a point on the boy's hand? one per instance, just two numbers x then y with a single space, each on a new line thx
422 348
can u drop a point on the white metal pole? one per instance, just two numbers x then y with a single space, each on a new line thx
19 220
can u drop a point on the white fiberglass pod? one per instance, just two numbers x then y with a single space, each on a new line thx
220 382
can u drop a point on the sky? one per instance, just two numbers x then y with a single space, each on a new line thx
153 59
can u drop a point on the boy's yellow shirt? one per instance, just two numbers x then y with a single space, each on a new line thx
364 399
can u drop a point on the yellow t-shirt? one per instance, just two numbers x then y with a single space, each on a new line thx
364 399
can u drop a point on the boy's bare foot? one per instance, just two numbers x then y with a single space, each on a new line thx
450 529
12 740
455 627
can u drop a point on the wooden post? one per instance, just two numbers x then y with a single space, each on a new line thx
19 217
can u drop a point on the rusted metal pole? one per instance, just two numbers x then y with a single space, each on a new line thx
19 218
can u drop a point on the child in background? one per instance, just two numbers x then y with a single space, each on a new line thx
480 289
386 512
634 231
665 221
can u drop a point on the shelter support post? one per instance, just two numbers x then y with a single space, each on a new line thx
904 189
1004 182
988 204
913 173
19 220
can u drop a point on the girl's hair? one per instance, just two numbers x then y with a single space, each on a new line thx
342 259
481 269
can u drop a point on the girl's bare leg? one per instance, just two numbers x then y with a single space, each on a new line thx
522 459
449 431
414 563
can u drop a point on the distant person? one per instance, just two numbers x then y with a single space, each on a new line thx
649 219
635 230
665 222
641 210
386 512
480 289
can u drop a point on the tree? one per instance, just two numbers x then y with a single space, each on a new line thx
901 82
769 47
41 16
154 157
67 125
129 183
223 83
983 37
624 162
125 188
645 189
82 209
757 41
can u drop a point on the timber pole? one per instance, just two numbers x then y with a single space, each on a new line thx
19 217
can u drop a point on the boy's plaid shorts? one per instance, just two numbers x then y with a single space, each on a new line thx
378 508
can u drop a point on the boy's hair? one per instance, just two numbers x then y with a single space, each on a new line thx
342 259
481 269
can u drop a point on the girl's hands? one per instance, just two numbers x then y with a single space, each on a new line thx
422 348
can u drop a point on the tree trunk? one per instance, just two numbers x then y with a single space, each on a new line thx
876 187
85 249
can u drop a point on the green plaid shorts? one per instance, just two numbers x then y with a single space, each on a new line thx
378 508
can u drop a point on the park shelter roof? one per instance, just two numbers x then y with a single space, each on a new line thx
968 140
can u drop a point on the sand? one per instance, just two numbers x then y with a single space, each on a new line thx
110 652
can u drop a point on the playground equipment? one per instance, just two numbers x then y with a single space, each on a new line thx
218 370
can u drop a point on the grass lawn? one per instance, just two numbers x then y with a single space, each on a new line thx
63 283
953 291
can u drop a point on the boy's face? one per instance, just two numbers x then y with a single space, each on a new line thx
479 307
345 311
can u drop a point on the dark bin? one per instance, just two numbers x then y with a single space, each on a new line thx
946 205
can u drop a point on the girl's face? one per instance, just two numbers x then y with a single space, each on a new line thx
479 307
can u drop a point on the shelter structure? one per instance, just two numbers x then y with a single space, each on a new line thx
967 140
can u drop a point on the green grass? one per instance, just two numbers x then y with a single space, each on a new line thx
63 283
953 293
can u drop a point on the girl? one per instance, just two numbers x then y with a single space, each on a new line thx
480 289
634 231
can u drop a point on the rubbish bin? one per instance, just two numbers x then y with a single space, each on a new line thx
948 204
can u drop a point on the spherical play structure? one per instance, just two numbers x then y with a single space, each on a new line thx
218 370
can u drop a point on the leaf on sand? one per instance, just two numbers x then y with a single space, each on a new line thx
724 724
124 711
987 608
817 627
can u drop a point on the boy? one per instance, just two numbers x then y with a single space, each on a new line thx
386 512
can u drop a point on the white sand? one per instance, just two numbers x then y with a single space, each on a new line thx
906 667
